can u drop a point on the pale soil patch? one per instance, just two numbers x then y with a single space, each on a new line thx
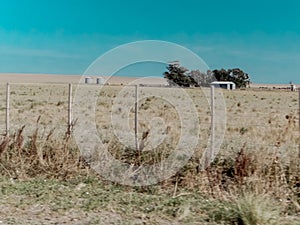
39 214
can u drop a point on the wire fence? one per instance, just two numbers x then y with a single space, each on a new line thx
260 119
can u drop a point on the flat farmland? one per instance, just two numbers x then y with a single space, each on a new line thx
256 168
253 118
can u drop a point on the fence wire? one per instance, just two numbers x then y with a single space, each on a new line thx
261 119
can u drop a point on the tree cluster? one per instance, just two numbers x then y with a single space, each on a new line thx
178 75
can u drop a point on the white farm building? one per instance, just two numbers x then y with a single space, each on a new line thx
224 84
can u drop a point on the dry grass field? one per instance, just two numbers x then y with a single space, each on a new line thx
253 180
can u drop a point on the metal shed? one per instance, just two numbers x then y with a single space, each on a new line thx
100 80
88 80
224 84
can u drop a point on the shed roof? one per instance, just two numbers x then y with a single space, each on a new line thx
222 82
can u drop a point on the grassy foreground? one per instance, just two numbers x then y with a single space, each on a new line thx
89 201
46 181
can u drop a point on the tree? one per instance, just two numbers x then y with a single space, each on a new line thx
200 78
236 75
176 75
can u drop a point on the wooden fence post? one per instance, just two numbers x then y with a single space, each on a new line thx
210 154
136 118
70 110
299 120
7 109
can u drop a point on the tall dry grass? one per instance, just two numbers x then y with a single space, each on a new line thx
40 155
232 175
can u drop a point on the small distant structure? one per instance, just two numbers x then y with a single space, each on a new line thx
293 86
224 84
88 80
100 80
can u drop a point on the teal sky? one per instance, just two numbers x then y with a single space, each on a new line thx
65 37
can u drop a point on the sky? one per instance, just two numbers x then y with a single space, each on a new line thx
65 37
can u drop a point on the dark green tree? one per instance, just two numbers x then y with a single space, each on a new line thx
176 75
236 75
